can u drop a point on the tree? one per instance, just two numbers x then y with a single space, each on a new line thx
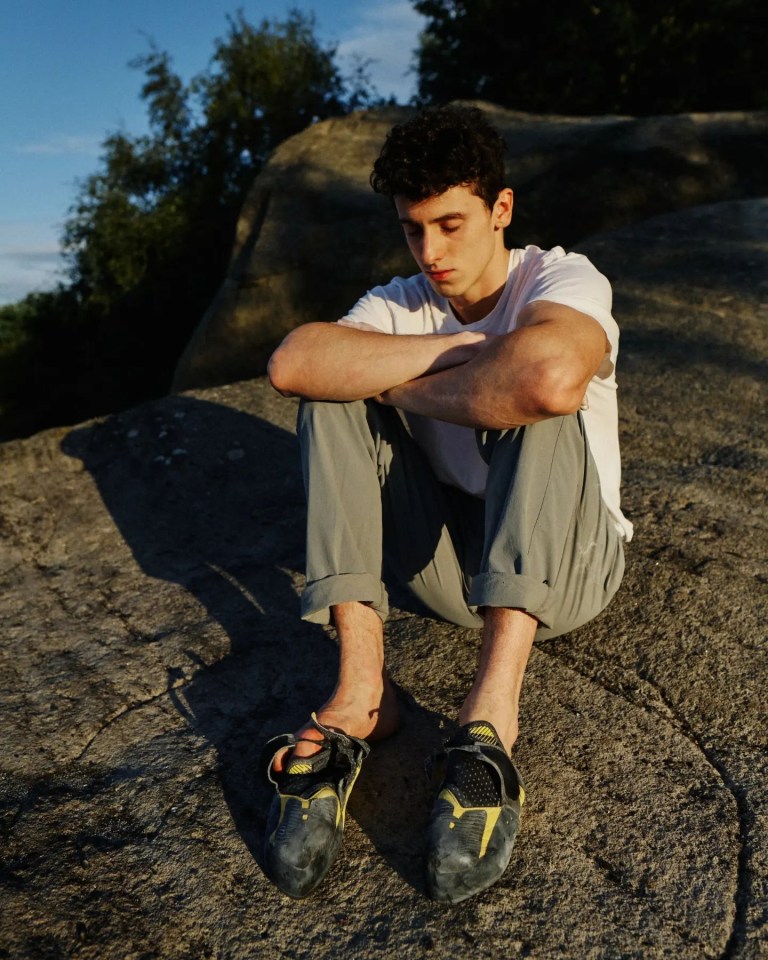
150 232
186 179
637 57
37 334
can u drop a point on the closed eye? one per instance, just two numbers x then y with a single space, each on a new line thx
414 232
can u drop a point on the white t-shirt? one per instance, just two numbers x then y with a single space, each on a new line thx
411 306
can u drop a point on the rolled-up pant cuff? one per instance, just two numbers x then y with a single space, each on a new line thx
320 595
514 591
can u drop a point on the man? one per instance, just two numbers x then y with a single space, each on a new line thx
459 431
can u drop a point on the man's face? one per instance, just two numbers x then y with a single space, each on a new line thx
458 242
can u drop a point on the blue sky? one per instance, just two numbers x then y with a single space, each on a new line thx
66 83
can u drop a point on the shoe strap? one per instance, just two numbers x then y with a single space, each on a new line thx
339 755
349 746
510 780
270 750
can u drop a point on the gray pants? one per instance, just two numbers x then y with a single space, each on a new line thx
542 540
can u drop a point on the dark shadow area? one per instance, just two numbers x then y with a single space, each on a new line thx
211 498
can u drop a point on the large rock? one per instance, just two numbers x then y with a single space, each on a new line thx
313 236
151 643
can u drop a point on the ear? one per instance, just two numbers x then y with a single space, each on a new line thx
502 209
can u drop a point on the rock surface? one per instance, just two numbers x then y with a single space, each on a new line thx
313 236
150 564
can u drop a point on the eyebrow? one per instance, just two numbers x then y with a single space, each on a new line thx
445 216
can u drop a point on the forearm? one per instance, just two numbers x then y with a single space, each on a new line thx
521 378
452 396
325 361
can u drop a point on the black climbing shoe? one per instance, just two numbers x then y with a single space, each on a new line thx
305 826
476 815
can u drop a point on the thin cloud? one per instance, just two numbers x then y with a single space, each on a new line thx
33 260
30 260
388 36
62 145
28 235
20 276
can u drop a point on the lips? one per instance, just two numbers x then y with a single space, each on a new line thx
439 275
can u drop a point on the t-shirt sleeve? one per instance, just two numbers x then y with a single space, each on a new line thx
575 282
373 311
401 306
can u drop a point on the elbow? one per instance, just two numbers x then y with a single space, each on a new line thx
289 367
561 402
281 373
556 393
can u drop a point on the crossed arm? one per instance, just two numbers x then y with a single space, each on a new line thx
540 370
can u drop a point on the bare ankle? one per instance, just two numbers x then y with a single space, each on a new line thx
508 636
506 726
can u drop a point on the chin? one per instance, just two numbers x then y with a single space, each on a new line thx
446 288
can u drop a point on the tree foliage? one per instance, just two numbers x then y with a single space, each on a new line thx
165 202
637 57
150 232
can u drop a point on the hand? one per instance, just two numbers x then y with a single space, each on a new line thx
388 397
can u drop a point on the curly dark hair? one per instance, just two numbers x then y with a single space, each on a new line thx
440 148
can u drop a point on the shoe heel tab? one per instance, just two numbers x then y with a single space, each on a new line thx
270 750
341 738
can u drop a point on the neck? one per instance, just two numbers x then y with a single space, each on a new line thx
472 310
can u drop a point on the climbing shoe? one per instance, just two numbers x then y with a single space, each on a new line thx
476 815
305 825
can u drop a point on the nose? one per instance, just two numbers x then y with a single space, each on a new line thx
431 248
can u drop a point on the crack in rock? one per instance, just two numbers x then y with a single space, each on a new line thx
737 936
131 708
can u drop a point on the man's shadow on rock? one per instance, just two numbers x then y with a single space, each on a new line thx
211 498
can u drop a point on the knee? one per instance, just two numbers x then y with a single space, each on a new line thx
328 423
312 412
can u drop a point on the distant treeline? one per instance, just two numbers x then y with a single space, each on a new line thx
149 234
